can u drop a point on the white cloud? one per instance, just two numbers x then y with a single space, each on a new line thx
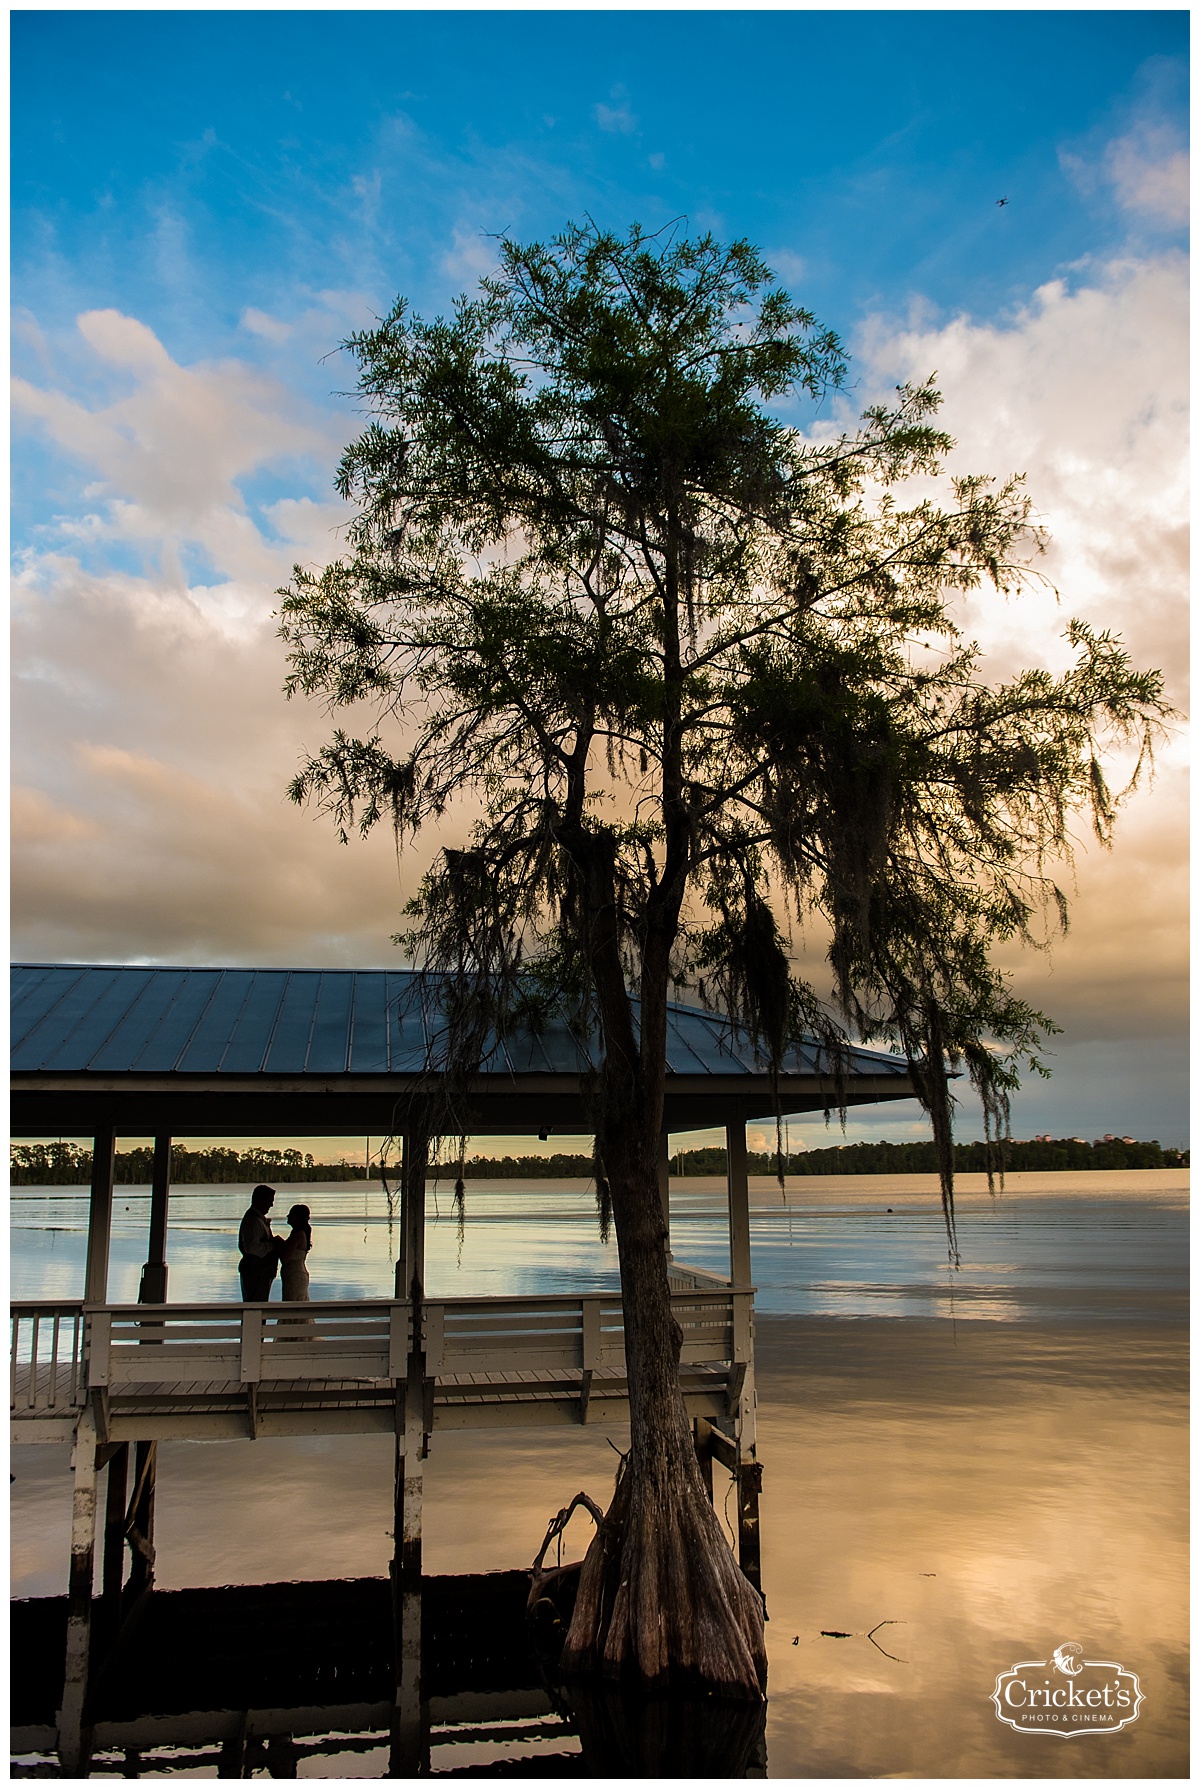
152 750
1085 390
260 324
173 453
790 269
618 119
153 744
472 257
1146 169
1149 173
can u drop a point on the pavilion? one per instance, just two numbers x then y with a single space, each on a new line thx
125 1051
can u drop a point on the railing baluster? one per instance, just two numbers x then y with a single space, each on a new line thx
33 1362
53 1397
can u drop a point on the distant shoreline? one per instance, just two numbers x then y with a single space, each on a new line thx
70 1164
764 1188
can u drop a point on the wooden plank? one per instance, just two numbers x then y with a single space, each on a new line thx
128 1335
456 1361
483 1348
251 1352
536 1323
591 1336
435 1339
743 1326
398 1334
99 1339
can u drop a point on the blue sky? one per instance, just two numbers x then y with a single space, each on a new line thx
194 164
204 204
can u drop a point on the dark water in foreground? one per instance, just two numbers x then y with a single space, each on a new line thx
991 1472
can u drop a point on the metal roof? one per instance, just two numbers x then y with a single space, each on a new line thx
116 1020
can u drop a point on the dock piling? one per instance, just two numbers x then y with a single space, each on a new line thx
72 1736
112 1575
139 1523
410 1726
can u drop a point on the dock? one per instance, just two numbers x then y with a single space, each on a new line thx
119 1051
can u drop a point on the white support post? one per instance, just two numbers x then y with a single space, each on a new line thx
153 1288
741 1275
664 1184
749 1473
410 1263
95 1278
739 1205
72 1738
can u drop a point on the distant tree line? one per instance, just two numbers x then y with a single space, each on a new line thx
525 1167
921 1158
70 1164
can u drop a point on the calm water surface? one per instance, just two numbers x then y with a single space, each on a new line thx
1104 1245
992 1461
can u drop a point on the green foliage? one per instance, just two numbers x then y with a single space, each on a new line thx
699 674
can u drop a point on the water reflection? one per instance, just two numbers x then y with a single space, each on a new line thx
990 1488
1096 1245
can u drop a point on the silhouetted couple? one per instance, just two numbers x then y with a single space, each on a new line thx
262 1252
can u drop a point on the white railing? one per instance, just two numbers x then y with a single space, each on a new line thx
239 1345
46 1375
464 1337
699 1279
59 1350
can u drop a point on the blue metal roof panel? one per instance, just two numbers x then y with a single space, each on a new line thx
367 1039
36 991
695 1044
289 1040
409 1025
77 1018
206 1047
253 1029
187 993
86 1016
129 1036
329 1043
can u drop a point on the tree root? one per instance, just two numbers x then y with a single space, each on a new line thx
662 1603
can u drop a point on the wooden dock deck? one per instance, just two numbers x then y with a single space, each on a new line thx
221 1371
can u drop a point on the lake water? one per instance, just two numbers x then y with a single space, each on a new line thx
1106 1245
991 1461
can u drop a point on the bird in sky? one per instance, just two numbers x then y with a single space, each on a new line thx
1003 201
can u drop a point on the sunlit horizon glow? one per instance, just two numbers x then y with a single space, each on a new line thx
206 204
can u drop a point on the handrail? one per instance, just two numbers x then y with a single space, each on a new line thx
63 1347
681 1272
222 1307
46 1366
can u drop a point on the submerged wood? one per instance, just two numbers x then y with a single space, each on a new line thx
627 1734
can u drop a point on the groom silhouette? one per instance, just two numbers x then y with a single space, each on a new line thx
259 1248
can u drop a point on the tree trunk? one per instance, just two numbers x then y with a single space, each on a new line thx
662 1601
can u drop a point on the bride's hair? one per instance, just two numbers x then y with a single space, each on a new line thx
298 1217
